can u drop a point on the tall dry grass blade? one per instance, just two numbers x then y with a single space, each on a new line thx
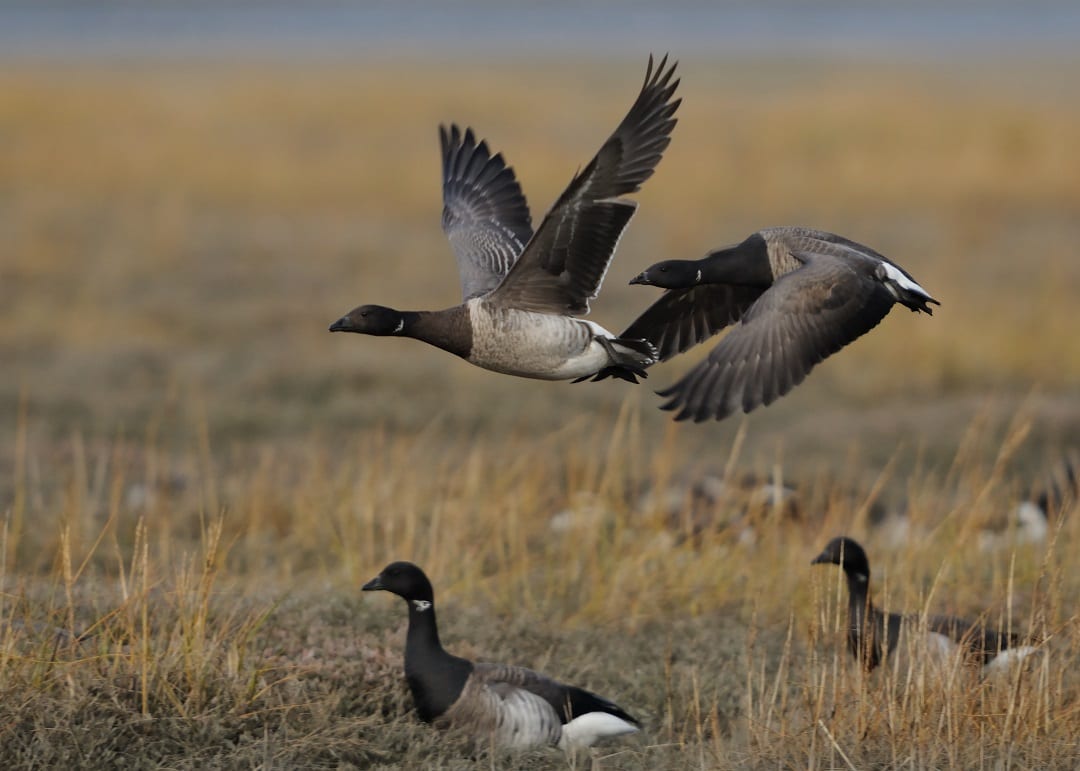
142 549
779 677
68 577
835 745
20 481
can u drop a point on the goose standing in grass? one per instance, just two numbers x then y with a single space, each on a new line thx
1058 490
513 706
794 296
874 634
1054 494
522 291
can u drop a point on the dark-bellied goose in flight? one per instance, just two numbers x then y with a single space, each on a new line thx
793 295
513 706
523 291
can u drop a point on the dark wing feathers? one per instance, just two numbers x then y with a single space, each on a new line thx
485 215
682 318
975 636
578 701
568 701
805 316
564 265
631 153
568 242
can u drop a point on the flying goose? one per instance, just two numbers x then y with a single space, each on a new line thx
874 634
793 295
514 706
523 291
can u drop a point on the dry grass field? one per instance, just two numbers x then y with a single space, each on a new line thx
195 477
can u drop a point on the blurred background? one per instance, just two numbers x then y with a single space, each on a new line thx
191 192
195 476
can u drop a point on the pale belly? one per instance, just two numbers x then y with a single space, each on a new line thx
536 345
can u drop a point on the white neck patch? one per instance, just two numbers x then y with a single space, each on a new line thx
421 605
400 326
697 278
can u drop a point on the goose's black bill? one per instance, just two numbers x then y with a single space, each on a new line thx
373 585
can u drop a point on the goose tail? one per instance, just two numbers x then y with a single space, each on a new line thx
631 358
905 289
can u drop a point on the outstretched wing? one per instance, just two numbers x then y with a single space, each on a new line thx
484 215
804 317
564 265
682 318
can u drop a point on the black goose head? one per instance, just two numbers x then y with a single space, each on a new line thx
846 553
670 274
435 677
405 580
371 320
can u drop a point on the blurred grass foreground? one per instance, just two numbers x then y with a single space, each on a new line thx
195 477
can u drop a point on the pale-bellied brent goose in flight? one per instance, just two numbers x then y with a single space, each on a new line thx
794 296
522 290
513 706
873 634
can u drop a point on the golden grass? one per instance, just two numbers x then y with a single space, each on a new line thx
196 477
733 654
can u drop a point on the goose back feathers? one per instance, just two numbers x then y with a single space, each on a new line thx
874 635
514 706
792 296
522 290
